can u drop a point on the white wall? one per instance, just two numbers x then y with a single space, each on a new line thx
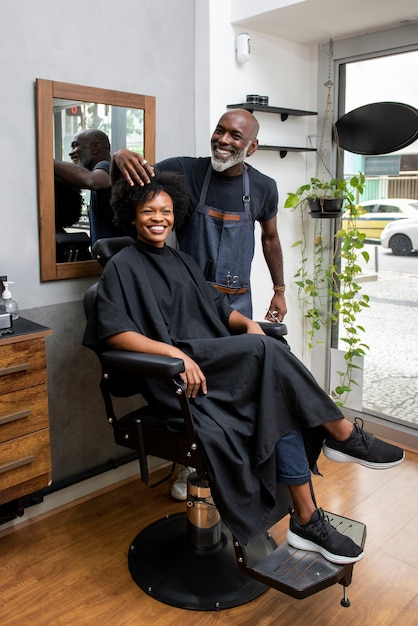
133 45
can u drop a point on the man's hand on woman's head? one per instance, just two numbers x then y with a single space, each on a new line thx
133 167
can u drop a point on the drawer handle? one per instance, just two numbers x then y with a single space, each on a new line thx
13 369
14 416
14 464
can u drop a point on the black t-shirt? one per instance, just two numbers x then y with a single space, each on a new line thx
101 212
225 192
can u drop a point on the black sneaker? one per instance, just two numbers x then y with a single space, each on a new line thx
364 448
320 536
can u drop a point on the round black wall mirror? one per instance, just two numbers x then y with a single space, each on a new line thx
378 128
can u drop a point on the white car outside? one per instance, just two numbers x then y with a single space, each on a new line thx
378 213
401 236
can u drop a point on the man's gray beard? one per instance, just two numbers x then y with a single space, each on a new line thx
220 165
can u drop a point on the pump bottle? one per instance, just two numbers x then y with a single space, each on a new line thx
9 304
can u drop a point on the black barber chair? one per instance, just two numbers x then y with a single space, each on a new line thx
190 560
72 247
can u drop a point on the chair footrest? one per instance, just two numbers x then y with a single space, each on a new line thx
300 573
296 572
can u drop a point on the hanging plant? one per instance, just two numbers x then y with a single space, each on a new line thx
323 198
312 283
346 291
329 292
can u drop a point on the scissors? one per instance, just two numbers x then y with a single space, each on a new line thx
274 315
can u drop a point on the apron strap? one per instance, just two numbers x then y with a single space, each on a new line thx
205 186
246 187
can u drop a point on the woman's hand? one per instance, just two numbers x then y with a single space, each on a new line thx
242 324
193 377
254 328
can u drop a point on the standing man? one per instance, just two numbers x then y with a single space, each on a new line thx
227 196
90 156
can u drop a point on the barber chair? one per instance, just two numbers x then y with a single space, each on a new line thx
72 247
190 559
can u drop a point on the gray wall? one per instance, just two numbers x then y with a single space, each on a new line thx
137 46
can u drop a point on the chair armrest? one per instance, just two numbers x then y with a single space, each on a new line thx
104 249
274 329
165 366
144 364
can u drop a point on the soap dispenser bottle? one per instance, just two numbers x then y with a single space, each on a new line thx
9 304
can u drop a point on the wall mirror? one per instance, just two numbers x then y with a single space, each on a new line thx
62 110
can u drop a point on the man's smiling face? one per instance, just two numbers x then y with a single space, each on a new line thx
234 139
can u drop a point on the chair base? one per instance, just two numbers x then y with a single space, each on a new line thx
165 565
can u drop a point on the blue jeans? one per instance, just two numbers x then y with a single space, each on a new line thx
292 466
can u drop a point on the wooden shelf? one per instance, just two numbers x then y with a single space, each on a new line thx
285 149
284 114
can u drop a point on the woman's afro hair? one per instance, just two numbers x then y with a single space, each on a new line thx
125 198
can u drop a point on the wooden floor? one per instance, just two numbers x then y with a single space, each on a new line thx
70 568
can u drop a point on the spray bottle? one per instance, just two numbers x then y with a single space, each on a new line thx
9 304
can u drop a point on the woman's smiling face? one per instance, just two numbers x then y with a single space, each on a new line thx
154 219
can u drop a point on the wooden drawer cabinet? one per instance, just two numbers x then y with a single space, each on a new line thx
25 457
22 365
23 411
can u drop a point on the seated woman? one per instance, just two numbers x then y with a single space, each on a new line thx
257 409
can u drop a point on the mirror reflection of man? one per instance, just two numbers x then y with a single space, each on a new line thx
90 167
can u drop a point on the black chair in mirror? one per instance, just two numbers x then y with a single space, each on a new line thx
190 559
71 247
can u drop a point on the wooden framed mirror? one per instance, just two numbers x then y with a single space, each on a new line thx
54 102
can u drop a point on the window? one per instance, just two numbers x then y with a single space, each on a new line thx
390 380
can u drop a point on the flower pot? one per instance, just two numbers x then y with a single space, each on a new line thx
325 207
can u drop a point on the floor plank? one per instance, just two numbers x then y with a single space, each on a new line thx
71 567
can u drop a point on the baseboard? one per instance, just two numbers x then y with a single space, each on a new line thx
79 492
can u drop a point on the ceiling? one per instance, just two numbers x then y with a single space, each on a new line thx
315 21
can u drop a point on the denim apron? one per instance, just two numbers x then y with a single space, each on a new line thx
222 244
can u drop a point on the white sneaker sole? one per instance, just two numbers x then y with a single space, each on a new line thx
341 457
304 544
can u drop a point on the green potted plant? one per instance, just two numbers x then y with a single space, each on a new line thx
324 198
328 288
